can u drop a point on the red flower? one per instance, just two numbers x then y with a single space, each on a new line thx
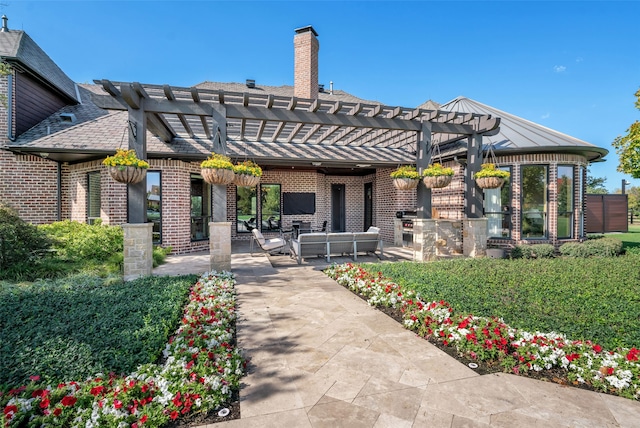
597 348
44 403
143 419
34 378
39 393
572 357
633 354
10 410
117 404
144 388
68 400
174 415
57 411
96 390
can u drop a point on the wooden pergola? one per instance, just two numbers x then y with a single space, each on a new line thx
220 116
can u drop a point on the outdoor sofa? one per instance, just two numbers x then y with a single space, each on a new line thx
336 243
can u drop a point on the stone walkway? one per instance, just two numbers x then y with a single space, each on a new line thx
321 357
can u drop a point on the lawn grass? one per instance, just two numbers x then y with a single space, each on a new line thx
631 239
594 298
78 326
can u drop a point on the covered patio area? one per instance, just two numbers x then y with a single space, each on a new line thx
289 132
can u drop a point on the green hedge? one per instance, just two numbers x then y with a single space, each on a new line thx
81 325
20 242
80 241
533 251
600 247
594 298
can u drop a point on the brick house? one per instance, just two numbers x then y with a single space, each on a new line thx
326 156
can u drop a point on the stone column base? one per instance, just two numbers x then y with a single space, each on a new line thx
138 250
220 246
474 237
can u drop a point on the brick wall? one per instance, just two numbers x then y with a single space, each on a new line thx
29 184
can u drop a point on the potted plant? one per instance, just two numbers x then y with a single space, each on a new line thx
490 177
247 173
436 176
405 178
125 166
217 169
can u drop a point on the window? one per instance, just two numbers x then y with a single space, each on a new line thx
270 207
246 209
534 201
565 201
154 204
200 208
497 209
93 197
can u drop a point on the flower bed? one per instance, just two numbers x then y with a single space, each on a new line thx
200 371
490 339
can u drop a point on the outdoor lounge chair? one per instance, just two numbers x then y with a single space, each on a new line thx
267 245
367 242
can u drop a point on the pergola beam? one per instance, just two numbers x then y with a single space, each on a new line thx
340 123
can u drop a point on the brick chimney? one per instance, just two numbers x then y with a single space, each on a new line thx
306 48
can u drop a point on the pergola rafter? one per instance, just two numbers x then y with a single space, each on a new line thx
187 112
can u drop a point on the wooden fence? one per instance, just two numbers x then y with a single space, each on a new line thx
606 213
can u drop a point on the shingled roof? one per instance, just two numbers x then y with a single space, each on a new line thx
97 133
18 49
518 135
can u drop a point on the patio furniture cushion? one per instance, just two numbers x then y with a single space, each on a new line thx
366 242
339 243
267 245
309 244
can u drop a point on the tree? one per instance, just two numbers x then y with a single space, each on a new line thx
595 185
628 147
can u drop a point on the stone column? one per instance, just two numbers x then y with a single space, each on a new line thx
474 237
138 250
424 239
220 246
397 232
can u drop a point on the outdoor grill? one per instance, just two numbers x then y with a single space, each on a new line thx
407 226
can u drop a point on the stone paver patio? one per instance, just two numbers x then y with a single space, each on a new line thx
321 357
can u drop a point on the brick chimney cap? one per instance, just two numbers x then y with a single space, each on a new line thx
305 30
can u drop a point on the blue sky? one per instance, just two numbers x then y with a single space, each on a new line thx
572 66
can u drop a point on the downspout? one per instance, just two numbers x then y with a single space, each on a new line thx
59 195
10 107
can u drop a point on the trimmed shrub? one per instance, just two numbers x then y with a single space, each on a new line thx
20 242
160 254
80 241
601 247
533 251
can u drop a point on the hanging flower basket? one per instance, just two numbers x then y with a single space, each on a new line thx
405 178
127 174
437 181
217 176
247 174
125 166
490 177
217 169
490 182
405 183
437 176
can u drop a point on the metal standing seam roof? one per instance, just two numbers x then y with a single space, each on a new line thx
17 47
518 135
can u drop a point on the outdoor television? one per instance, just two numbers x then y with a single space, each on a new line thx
298 203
